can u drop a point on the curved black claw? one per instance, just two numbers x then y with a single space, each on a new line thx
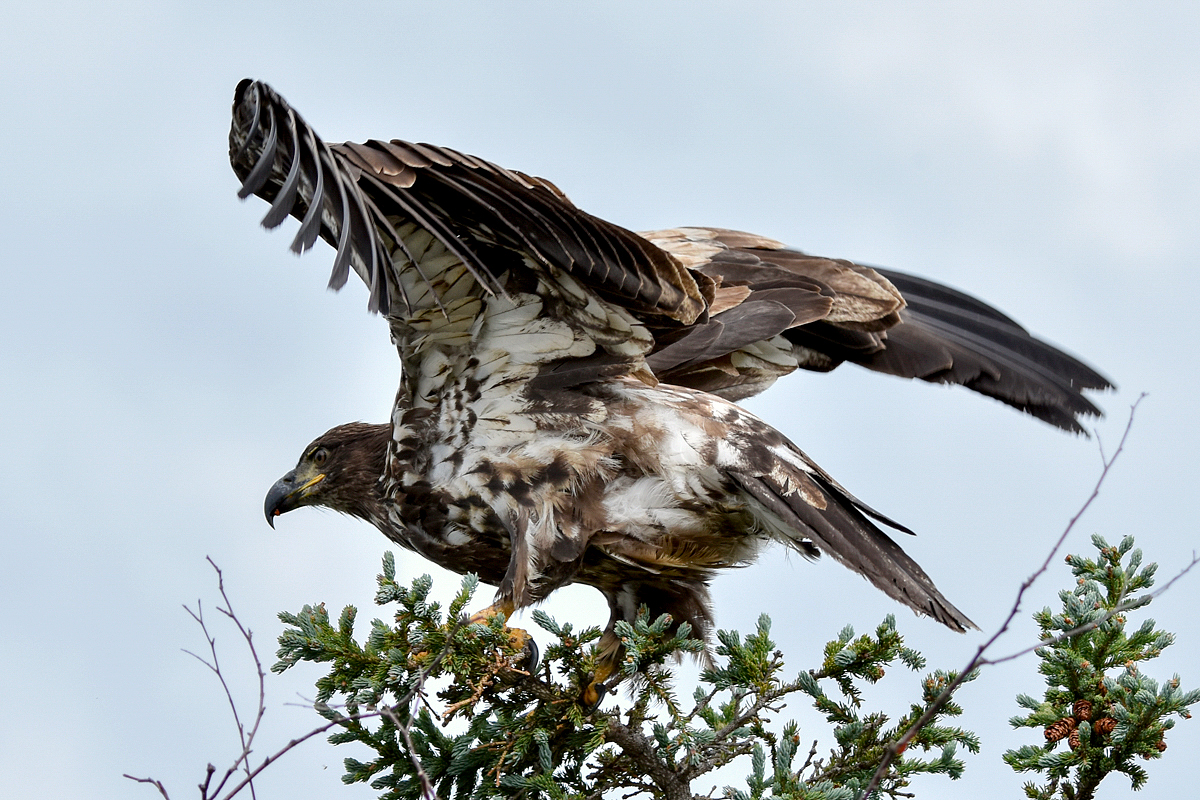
530 662
589 703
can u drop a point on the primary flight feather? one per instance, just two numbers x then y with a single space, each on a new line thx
565 411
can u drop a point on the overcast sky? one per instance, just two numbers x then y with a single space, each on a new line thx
165 359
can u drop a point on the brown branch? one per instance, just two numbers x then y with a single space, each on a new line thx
500 760
895 748
157 784
499 662
808 762
405 732
642 752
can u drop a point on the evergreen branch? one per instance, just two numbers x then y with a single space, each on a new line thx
895 748
1092 625
1107 721
342 720
642 753
527 735
247 737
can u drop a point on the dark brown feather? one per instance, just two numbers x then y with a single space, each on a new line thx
838 528
886 321
474 208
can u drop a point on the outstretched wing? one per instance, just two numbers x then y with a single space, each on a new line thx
428 227
945 336
358 197
878 318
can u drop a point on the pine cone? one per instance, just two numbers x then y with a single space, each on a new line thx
1104 725
1160 745
1073 739
1082 710
1101 688
1060 729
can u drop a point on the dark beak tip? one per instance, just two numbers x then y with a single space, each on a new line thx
276 501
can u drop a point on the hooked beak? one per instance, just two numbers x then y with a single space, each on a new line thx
289 492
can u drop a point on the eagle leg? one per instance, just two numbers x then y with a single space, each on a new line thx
596 689
519 637
610 654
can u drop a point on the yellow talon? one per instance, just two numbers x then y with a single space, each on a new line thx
595 691
520 639
483 615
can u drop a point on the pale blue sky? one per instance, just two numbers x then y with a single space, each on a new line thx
166 359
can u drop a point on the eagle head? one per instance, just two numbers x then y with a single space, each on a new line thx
341 470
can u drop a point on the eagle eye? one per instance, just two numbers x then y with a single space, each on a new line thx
319 456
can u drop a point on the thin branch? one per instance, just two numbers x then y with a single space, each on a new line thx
404 728
246 737
414 692
342 720
157 784
808 762
895 748
208 776
248 636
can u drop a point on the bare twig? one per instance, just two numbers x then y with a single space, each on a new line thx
156 784
414 692
208 776
247 736
293 743
262 687
898 746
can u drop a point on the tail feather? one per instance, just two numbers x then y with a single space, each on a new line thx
836 524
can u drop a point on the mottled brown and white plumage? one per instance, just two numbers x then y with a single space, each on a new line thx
565 407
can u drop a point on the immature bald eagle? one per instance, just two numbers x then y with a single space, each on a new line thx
564 412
